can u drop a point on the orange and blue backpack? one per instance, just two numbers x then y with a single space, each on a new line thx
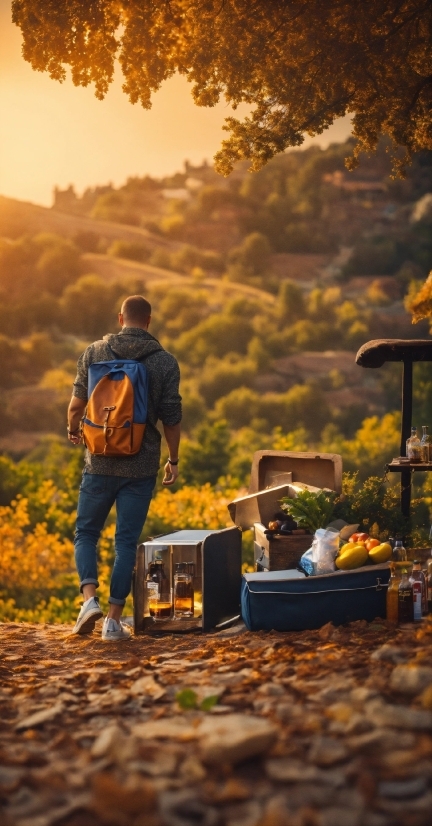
116 414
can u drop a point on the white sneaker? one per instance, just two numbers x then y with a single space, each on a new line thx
88 616
113 630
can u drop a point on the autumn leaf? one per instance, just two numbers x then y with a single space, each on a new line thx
187 698
208 703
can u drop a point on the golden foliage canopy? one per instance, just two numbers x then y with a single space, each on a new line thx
298 63
419 300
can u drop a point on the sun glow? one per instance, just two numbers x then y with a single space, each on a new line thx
57 134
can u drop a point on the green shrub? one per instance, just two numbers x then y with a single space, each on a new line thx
129 249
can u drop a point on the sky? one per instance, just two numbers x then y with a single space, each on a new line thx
54 134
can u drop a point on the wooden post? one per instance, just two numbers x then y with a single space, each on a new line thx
405 496
375 354
407 387
407 373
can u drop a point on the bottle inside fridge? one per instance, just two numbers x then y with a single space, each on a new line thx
183 591
159 592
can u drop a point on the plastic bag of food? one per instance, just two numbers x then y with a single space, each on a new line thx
325 547
306 565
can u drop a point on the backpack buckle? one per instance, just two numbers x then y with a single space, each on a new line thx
105 424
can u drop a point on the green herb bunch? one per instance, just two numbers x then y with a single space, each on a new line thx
372 504
311 510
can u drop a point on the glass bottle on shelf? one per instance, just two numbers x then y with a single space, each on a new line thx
399 553
426 445
183 591
418 583
392 598
413 447
405 598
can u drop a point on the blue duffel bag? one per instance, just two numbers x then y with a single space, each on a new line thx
290 601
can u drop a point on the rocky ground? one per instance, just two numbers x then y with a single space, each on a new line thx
320 728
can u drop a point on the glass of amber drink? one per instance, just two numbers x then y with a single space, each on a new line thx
160 609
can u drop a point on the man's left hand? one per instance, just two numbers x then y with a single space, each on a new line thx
171 474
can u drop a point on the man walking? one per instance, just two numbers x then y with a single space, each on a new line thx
127 481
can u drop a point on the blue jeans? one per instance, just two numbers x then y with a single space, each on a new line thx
97 495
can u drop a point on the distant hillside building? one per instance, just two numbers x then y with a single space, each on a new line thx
339 180
181 194
64 199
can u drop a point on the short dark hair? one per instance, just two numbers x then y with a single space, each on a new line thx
136 309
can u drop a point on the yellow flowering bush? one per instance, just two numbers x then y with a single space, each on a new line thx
36 568
38 580
190 507
30 561
52 506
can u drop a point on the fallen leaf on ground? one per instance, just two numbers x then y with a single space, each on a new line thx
40 717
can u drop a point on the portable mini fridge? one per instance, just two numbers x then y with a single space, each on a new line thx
216 559
276 474
290 601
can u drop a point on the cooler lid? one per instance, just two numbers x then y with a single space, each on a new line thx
323 470
274 576
257 507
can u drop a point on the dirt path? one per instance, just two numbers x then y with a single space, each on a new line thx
325 728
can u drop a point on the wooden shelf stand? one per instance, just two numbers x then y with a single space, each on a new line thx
376 353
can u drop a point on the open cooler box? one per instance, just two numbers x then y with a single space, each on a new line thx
216 555
276 474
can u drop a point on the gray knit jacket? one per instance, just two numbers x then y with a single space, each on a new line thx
164 401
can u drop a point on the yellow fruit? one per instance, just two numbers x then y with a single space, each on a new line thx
353 558
348 547
381 553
